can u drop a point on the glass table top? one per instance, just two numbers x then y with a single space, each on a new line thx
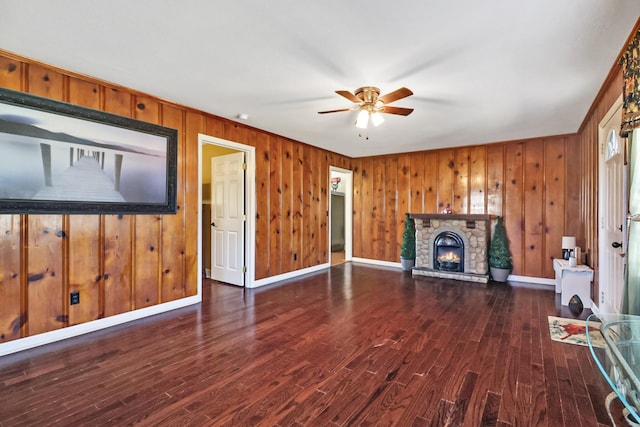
619 363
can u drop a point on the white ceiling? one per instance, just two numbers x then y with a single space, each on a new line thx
481 71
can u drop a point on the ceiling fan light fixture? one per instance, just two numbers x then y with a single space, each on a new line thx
370 104
376 118
363 119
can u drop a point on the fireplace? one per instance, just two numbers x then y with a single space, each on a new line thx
452 246
448 252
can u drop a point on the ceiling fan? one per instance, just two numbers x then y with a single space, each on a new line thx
371 104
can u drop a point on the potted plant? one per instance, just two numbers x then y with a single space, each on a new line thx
500 263
408 245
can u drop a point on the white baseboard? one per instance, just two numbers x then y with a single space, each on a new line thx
99 324
94 325
514 278
301 272
289 275
536 280
377 262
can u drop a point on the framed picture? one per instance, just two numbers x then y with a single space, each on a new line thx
61 158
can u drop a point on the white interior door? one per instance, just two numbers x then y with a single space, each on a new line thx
612 212
227 218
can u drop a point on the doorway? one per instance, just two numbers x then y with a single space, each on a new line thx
215 227
611 204
340 217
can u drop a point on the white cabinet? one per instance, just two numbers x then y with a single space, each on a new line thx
572 281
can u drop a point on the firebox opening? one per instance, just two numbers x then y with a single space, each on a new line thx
448 252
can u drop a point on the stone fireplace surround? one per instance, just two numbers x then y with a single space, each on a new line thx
475 233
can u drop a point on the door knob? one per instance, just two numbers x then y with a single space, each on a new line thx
213 224
616 244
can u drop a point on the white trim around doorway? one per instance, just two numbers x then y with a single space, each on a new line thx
250 205
348 218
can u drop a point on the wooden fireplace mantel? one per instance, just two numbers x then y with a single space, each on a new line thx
470 217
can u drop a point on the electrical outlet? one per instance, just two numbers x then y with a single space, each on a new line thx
74 298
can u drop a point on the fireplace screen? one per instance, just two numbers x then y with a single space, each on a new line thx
448 252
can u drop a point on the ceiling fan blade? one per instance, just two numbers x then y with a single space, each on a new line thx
351 97
334 111
403 92
396 110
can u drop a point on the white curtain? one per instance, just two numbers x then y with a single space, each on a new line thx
631 294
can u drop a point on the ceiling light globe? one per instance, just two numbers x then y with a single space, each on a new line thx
363 119
376 118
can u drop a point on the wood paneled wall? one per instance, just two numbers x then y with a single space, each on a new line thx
524 181
117 263
120 263
544 188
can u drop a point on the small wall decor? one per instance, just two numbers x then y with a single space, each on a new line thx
335 181
61 158
631 87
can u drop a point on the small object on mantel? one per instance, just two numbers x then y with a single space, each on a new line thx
446 210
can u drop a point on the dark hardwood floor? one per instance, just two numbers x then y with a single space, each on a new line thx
353 345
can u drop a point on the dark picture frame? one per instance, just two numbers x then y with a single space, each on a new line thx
61 158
